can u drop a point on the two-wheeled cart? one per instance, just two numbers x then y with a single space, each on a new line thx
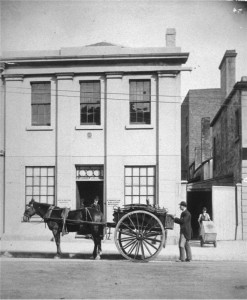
208 233
140 231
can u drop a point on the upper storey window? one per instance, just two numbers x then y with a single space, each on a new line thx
41 103
90 102
140 101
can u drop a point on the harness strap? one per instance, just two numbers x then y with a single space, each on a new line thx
49 211
88 212
64 216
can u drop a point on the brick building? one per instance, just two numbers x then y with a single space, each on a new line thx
197 105
216 170
87 121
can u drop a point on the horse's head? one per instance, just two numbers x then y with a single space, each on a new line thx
29 212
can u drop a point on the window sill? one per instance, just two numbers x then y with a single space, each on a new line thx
139 126
89 127
39 128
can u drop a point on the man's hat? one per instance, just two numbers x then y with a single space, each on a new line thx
183 204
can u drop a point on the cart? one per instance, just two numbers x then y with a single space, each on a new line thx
140 231
208 233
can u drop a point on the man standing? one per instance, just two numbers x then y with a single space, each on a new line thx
185 233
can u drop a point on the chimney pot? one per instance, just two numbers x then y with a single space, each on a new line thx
171 37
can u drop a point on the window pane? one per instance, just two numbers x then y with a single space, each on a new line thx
29 191
136 199
36 181
135 180
36 171
135 171
51 171
143 190
150 180
36 191
150 191
150 171
127 200
50 190
128 171
143 200
135 190
128 190
50 200
143 181
29 180
143 171
50 181
29 171
128 180
43 190
43 171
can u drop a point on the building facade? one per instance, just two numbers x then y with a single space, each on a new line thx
100 120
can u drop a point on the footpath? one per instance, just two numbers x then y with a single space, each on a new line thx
83 248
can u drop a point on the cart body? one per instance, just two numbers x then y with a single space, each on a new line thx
208 233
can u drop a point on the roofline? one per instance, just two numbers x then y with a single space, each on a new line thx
238 86
182 56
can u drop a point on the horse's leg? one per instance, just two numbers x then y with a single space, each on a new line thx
56 234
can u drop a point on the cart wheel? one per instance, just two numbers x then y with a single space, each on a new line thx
215 244
139 236
201 243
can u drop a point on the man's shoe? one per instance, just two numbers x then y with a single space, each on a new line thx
187 260
179 260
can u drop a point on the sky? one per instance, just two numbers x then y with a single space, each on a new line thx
205 29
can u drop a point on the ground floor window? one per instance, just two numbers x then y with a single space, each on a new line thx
139 184
40 184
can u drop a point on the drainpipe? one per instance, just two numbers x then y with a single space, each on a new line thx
157 139
56 141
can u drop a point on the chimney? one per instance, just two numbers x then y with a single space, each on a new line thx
228 72
171 37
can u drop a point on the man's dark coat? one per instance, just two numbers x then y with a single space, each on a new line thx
185 224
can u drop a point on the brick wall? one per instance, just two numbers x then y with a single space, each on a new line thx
228 143
198 104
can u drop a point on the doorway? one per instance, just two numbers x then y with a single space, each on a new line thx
196 201
86 191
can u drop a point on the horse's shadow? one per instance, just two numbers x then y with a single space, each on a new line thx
51 255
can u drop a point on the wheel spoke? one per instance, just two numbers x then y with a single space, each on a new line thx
137 249
137 222
143 254
133 234
129 244
147 248
153 240
132 248
132 222
151 234
127 239
128 227
151 245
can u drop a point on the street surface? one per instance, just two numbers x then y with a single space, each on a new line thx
114 279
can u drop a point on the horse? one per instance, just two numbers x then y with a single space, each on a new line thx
53 216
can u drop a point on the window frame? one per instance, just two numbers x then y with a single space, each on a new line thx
41 104
87 104
132 185
37 183
131 102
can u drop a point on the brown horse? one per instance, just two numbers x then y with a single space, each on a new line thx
53 216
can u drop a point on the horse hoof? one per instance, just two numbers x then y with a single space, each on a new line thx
57 257
97 257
